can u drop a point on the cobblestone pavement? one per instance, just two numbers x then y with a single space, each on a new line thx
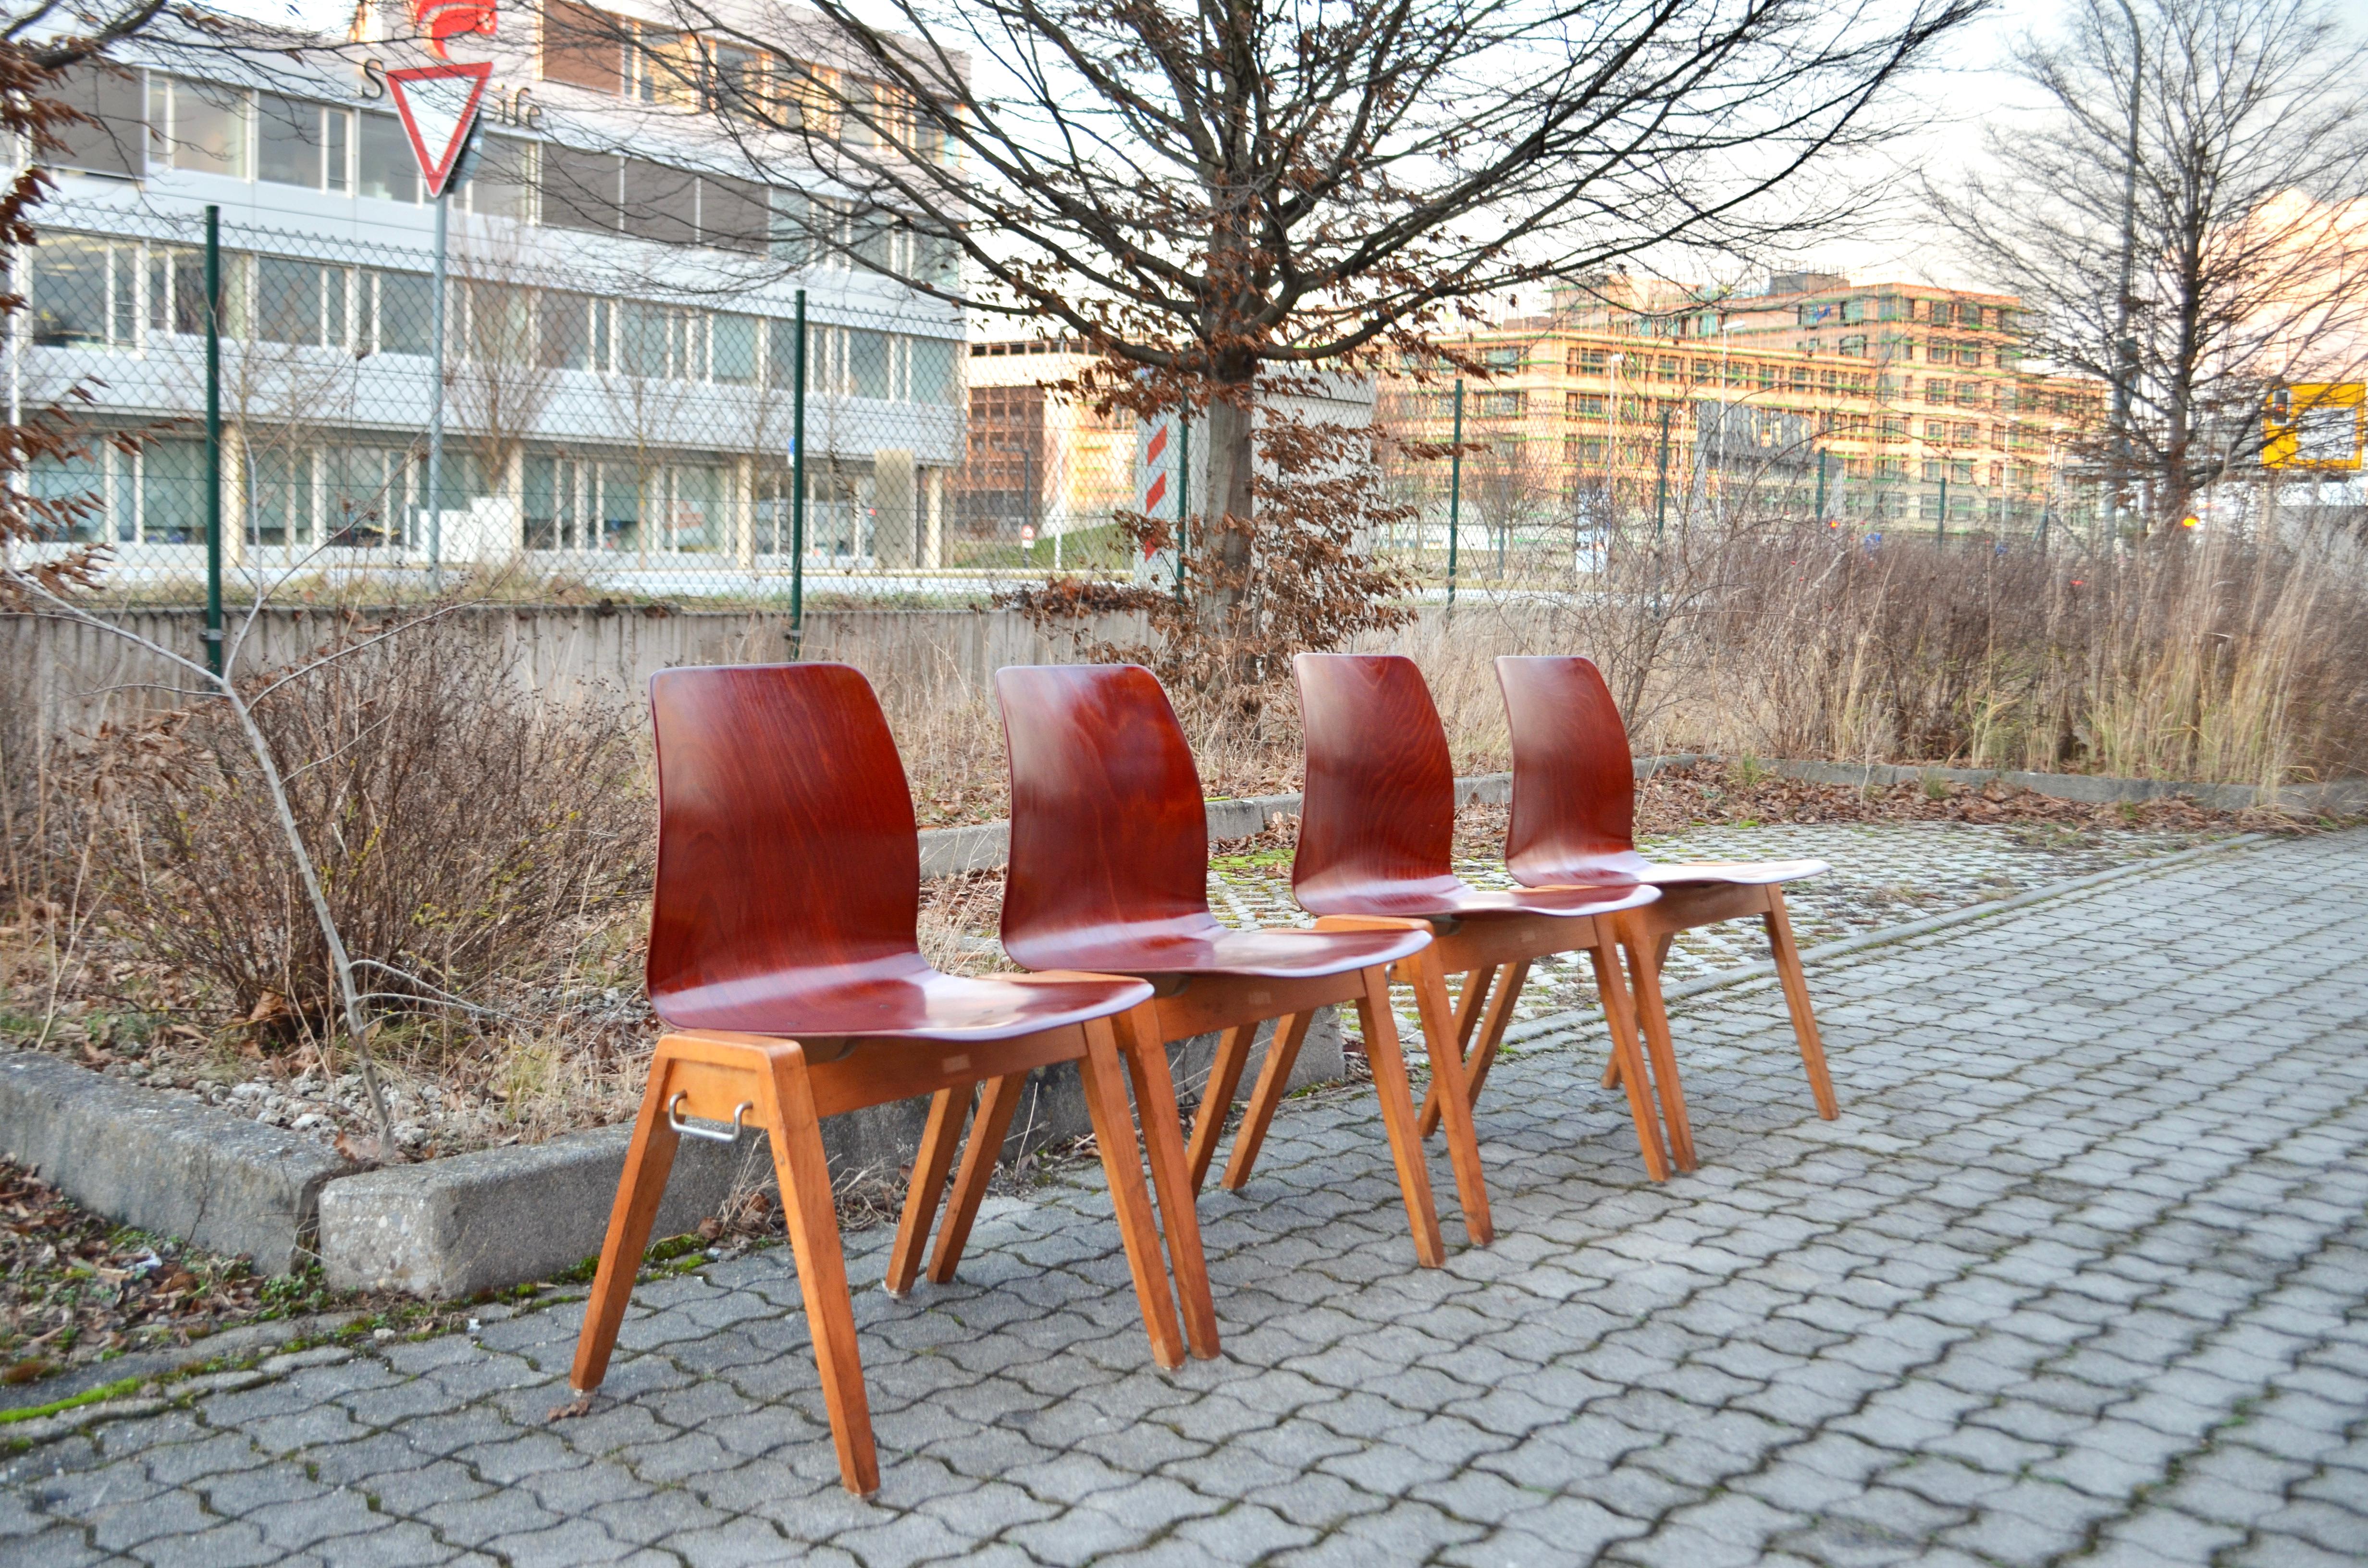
2079 1275
1884 874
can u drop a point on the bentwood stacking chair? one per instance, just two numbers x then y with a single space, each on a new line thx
1110 866
784 963
1574 820
1376 837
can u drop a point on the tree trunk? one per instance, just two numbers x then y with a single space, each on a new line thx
1232 457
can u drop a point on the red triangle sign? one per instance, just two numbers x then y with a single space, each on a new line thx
439 103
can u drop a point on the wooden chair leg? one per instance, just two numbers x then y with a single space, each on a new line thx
1477 988
1653 1016
987 1130
1390 1087
948 1109
1500 1016
1274 1081
1620 1017
1796 998
1455 1090
1661 962
1123 1163
805 1173
1217 1098
1155 1110
648 1160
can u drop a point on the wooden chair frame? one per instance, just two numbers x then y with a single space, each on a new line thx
1484 952
1648 933
1573 820
786 1088
1232 1006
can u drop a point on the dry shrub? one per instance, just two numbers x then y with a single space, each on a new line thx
2217 658
465 828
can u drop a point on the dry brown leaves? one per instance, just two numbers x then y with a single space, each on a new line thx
76 1284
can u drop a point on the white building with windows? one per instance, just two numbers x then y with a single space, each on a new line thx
619 324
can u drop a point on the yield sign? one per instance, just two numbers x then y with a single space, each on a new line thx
439 103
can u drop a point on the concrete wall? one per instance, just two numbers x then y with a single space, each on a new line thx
75 673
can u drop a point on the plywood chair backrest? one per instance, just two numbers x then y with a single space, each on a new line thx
1379 806
787 855
1574 784
1110 835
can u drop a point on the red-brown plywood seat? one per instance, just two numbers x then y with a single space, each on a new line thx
1108 872
1376 840
783 960
1574 816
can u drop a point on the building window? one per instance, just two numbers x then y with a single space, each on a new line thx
501 180
301 303
1588 405
198 126
85 293
384 165
1509 359
303 143
1852 347
1499 404
733 342
583 48
109 142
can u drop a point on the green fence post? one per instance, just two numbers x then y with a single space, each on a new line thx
798 489
213 632
1821 487
1455 492
1941 522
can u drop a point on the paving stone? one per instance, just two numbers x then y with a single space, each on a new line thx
2077 1269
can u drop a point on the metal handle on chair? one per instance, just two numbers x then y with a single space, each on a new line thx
685 1130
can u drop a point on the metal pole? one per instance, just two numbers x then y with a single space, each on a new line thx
798 487
1820 515
1661 494
435 411
1454 491
1183 490
1941 522
2124 346
213 632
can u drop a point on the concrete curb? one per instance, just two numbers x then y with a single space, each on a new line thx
1826 952
223 1181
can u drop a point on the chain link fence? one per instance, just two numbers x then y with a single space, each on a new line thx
611 436
599 434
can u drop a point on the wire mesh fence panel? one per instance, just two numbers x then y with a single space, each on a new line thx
600 432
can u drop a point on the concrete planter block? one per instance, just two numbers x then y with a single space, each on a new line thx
218 1181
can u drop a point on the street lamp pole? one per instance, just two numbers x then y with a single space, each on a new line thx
2124 346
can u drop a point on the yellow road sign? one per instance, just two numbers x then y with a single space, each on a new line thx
2316 425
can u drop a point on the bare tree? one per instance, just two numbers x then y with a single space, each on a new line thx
1217 193
2236 223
